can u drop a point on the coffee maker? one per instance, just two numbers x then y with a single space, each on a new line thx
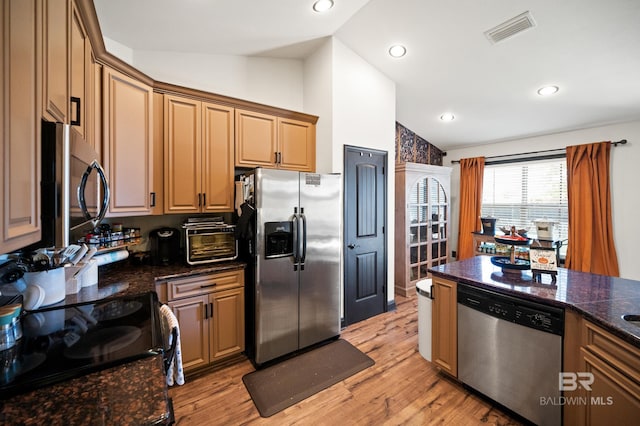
164 246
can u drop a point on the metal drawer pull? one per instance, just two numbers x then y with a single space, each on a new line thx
209 285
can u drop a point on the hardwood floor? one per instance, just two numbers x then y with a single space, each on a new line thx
402 388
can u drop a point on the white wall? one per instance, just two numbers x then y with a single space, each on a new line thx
119 50
269 81
625 175
356 106
318 100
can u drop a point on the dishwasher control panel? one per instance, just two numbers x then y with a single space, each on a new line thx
512 309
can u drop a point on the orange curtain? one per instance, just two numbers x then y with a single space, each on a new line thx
471 176
591 247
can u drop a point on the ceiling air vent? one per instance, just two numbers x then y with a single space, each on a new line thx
510 28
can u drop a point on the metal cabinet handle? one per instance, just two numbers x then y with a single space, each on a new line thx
211 308
153 199
209 285
204 199
76 122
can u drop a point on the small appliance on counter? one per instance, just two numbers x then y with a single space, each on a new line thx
209 240
164 246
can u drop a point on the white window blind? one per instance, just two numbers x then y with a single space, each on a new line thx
519 193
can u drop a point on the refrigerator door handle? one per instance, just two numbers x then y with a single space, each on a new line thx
303 239
296 238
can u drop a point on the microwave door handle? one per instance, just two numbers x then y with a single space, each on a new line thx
81 199
105 189
303 239
95 221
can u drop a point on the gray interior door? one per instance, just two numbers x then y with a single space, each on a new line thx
365 201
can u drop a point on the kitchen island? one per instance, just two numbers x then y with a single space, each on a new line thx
599 298
134 393
596 374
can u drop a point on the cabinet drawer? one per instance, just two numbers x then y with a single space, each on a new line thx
201 284
618 353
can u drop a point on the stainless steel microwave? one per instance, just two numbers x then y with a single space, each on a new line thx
74 187
209 242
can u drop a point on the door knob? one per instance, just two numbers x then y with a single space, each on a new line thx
352 246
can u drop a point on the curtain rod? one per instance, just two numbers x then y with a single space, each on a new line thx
620 142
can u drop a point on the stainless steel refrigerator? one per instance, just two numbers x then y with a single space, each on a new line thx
293 288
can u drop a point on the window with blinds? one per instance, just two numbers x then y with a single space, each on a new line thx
519 193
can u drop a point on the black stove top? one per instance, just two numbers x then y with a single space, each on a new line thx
69 341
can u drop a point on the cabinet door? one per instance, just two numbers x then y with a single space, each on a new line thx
296 145
256 142
94 120
444 345
227 325
191 314
80 67
128 143
55 60
19 125
614 398
217 158
182 147
157 195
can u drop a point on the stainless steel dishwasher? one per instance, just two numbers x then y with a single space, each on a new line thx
510 350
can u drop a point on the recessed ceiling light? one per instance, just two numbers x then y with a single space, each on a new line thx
548 90
447 116
397 51
322 5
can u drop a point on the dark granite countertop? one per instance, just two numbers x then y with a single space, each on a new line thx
134 393
600 298
131 394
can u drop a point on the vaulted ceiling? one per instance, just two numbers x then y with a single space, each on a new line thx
590 49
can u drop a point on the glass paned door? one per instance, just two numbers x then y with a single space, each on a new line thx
428 226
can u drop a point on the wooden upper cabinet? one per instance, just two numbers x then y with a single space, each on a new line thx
80 65
56 15
297 145
128 143
217 157
157 195
182 140
20 103
256 139
198 150
264 140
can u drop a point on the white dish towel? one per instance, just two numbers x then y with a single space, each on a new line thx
175 374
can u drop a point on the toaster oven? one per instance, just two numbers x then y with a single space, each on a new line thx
209 242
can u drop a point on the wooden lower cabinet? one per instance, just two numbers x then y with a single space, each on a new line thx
614 394
210 311
444 344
